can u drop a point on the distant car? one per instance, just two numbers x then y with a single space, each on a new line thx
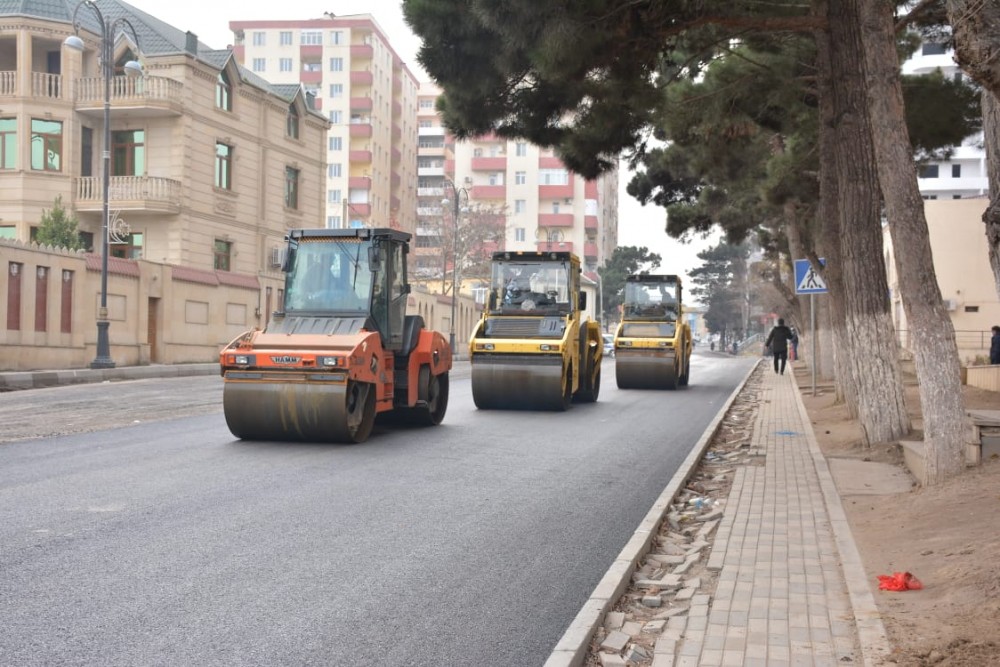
609 344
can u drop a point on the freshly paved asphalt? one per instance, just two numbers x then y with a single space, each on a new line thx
475 542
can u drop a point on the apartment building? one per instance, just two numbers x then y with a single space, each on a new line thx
347 65
964 174
546 206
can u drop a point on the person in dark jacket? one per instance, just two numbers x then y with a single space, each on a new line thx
777 340
995 345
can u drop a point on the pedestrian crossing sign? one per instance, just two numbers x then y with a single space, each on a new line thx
807 280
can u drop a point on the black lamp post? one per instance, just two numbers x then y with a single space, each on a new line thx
132 68
456 201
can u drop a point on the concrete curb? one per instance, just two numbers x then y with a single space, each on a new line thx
39 379
572 648
874 642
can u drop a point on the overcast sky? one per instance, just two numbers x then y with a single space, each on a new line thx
209 19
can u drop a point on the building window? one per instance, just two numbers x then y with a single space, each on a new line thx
285 37
259 64
956 196
425 123
312 67
285 64
956 171
520 177
8 143
336 117
932 49
520 205
223 92
311 38
336 64
929 171
260 39
553 177
292 123
131 248
336 90
972 309
46 145
555 207
519 234
8 232
291 188
496 178
223 253
128 153
335 170
336 143
521 149
223 166
333 221
336 37
426 104
334 196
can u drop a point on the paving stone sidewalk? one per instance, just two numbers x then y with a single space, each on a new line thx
791 588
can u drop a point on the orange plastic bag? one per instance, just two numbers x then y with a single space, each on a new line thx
899 581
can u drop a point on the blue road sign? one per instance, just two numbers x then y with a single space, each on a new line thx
807 281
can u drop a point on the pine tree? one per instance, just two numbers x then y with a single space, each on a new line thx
58 228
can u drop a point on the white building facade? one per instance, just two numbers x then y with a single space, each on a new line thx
347 65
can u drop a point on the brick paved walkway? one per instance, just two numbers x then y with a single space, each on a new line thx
791 588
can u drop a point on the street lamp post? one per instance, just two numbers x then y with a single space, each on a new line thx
456 201
132 68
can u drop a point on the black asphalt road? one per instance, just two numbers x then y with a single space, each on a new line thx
472 543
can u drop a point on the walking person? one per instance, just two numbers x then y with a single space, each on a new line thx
795 345
995 345
777 340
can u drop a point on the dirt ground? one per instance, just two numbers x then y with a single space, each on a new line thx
947 536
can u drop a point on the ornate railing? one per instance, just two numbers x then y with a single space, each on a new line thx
129 188
46 85
127 89
8 84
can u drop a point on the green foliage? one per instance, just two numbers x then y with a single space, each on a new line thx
58 228
940 113
624 262
720 284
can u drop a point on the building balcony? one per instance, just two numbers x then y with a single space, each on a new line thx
142 97
397 133
435 131
361 130
361 104
394 203
360 157
489 138
360 209
310 51
397 155
430 171
430 192
397 109
590 190
430 151
555 219
555 246
430 211
362 78
489 164
150 194
590 223
555 191
359 183
396 180
311 76
590 250
550 162
362 51
489 192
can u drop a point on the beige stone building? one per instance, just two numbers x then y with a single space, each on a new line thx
210 165
961 262
357 79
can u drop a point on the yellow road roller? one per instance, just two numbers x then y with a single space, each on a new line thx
532 348
341 349
652 342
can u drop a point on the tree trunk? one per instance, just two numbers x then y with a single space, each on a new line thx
875 359
991 136
933 336
828 211
975 25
